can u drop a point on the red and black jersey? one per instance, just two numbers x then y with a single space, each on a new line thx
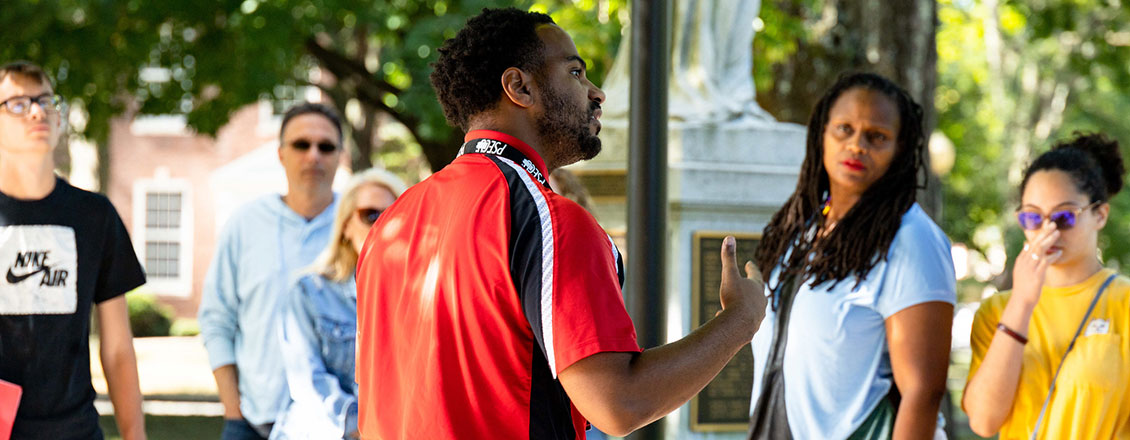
475 289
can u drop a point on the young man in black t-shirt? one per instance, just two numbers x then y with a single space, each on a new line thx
62 251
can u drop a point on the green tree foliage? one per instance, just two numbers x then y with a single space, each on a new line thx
147 316
804 45
208 59
1015 76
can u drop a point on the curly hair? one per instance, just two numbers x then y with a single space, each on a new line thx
466 75
1093 161
863 236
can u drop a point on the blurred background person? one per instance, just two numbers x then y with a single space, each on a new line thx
1051 358
259 251
565 183
861 281
319 319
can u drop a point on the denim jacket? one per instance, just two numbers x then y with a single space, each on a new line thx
317 334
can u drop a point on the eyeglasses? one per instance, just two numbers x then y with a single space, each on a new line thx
1063 220
369 215
323 147
21 105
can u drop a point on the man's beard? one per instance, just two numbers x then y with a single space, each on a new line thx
567 128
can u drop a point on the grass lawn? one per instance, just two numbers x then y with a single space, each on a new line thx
171 427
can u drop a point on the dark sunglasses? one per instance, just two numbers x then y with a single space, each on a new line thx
1063 220
369 215
323 147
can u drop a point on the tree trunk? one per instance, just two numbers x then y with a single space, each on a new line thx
441 153
103 147
364 136
893 38
352 77
62 155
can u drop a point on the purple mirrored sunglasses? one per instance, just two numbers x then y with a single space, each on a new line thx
1063 220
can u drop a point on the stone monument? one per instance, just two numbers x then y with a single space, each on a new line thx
730 167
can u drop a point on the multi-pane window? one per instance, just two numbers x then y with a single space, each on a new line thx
162 229
162 259
163 212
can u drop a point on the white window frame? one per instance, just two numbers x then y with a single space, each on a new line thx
270 122
181 286
160 125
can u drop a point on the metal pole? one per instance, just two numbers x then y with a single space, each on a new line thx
647 179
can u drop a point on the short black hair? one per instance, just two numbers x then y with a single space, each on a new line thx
863 236
1093 161
312 107
466 77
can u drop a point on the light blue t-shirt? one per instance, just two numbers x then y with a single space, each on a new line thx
261 250
836 363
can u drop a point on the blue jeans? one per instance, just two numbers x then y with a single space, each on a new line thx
239 430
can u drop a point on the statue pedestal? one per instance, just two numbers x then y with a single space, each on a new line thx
724 178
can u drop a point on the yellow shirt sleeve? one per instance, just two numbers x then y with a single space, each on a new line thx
1092 394
984 328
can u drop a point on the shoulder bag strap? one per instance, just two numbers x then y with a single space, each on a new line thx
1051 389
768 419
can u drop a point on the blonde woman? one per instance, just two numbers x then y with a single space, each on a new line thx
319 323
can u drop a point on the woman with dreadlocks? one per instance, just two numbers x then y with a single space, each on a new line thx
1051 358
861 282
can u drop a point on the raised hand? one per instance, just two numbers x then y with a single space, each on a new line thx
1032 263
742 296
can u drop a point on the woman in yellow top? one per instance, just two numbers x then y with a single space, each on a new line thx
1019 338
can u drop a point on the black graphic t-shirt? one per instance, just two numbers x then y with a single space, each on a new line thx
58 256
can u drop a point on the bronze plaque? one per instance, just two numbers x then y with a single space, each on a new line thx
604 184
724 404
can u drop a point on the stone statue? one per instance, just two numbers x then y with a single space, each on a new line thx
711 72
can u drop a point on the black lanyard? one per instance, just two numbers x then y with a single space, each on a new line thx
502 149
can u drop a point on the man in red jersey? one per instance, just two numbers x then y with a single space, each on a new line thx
490 307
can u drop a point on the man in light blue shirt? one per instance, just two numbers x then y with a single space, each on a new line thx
262 247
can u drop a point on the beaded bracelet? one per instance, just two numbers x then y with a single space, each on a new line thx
1012 333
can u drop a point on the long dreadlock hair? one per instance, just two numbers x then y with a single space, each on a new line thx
863 236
